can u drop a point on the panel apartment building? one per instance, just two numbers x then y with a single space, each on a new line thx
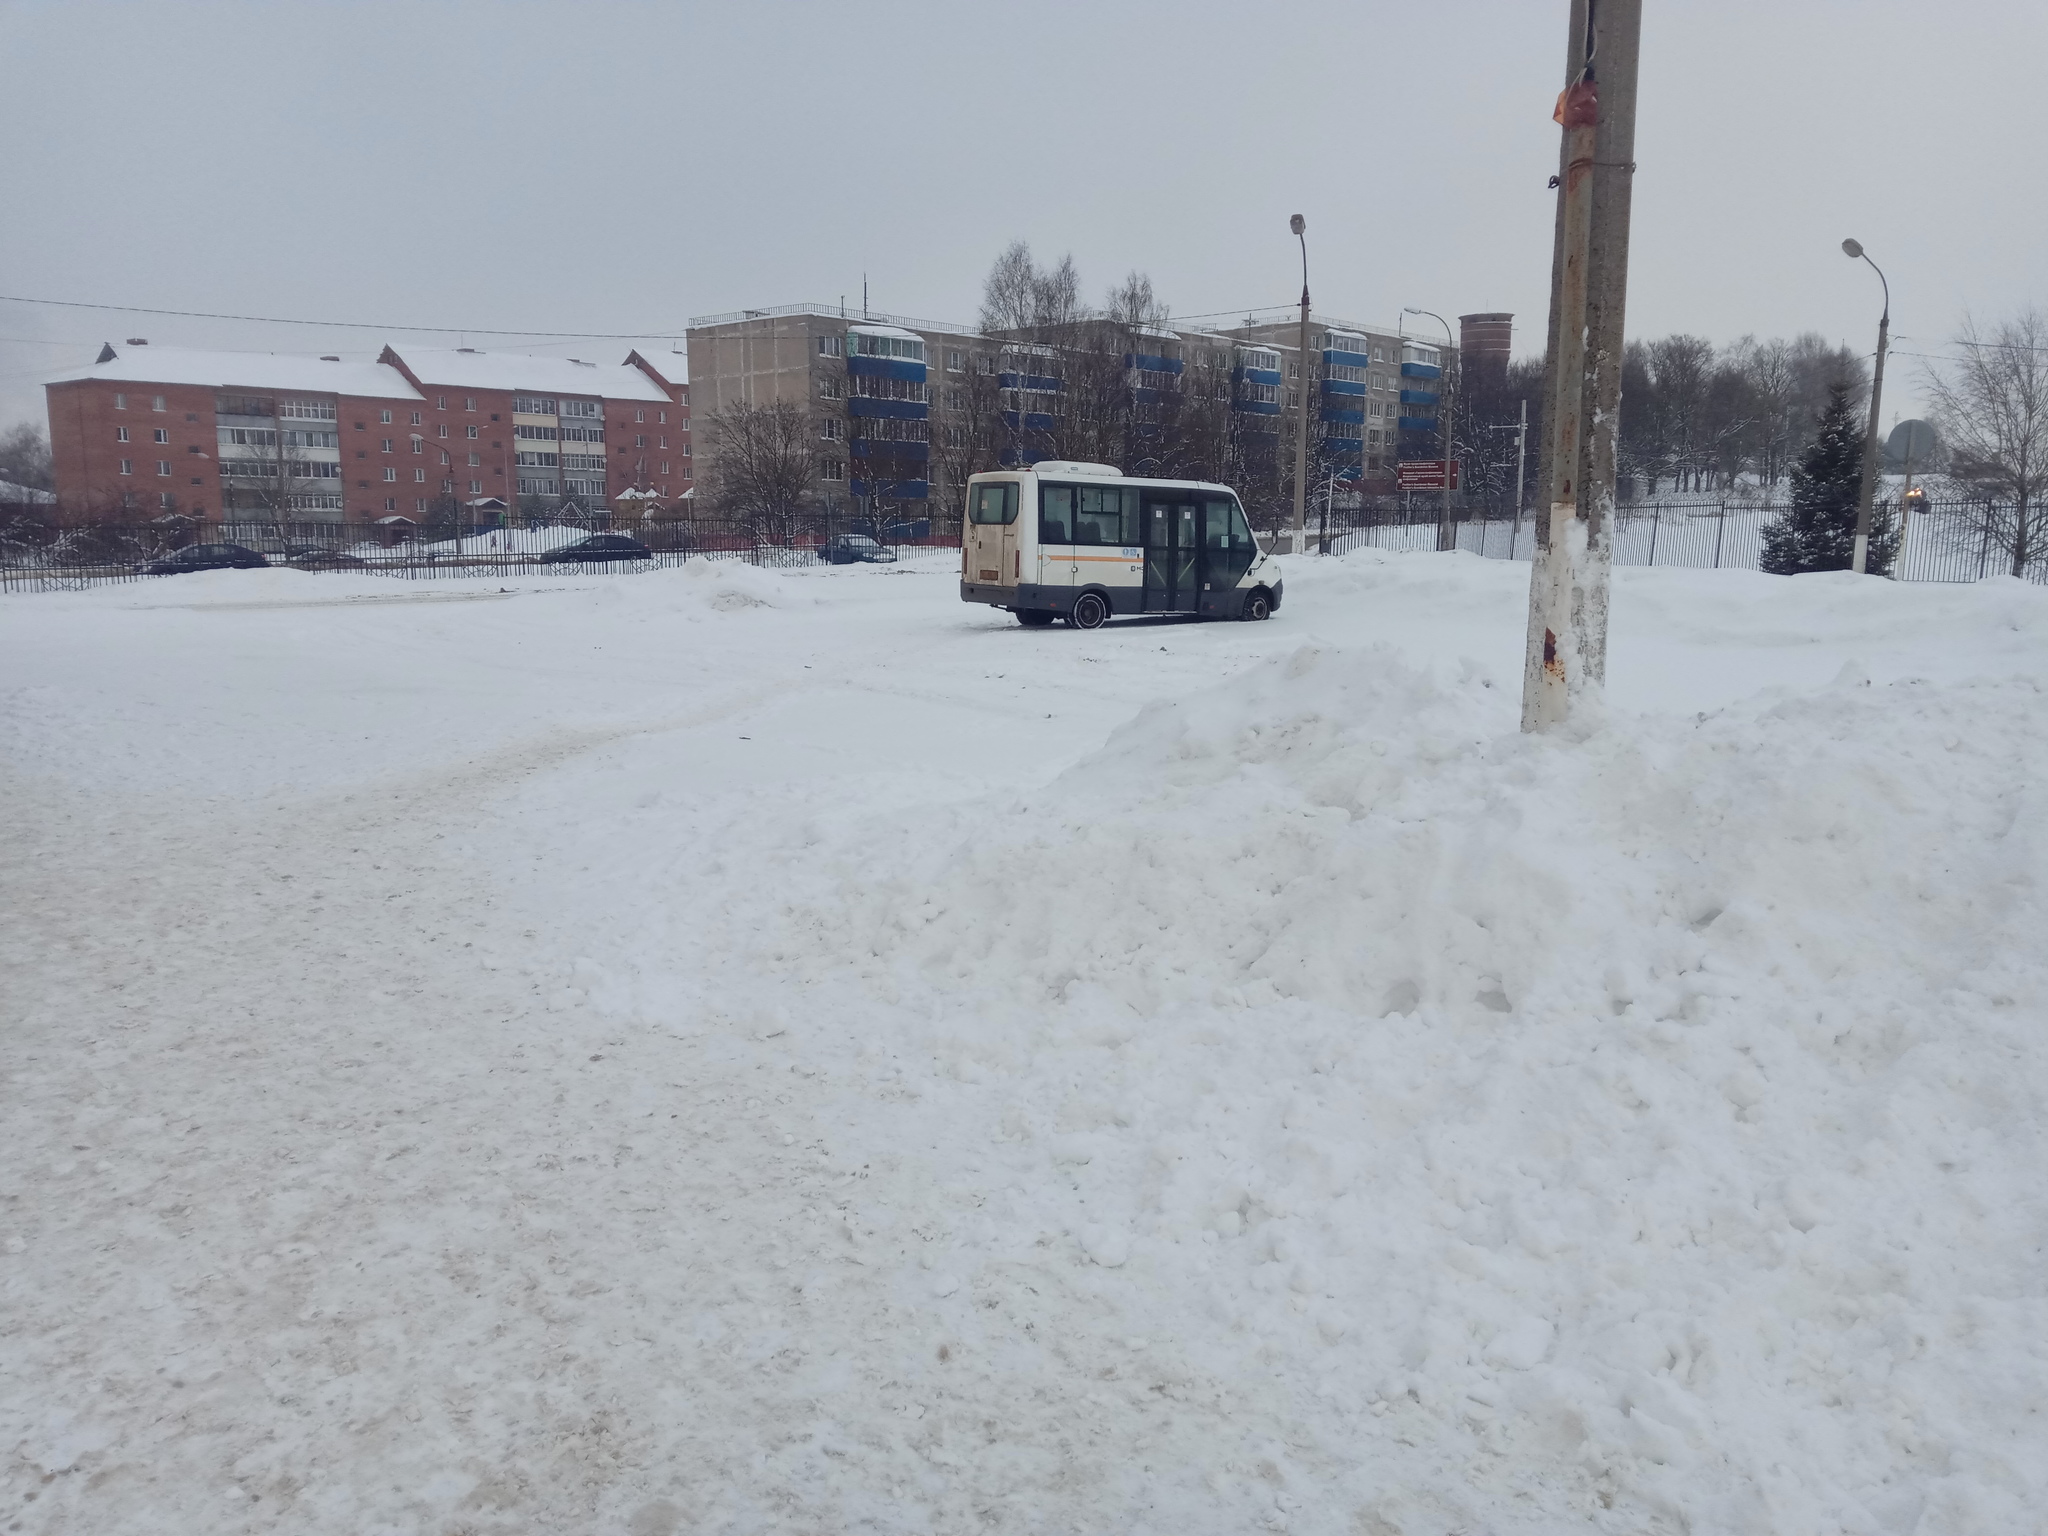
887 395
147 431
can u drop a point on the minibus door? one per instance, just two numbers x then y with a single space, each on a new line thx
992 534
1171 547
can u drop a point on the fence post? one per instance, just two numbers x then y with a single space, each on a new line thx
1984 555
1656 517
1720 530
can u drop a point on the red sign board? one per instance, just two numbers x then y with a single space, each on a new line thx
1424 474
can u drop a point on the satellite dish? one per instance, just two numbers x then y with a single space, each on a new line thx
1911 442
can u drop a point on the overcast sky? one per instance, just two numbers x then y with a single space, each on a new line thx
598 167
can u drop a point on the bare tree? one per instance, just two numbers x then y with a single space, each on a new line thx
1992 407
25 456
764 458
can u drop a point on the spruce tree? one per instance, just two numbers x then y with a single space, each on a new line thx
1818 532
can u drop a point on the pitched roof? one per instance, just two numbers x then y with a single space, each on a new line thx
145 364
463 368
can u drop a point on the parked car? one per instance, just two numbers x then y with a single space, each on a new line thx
204 557
599 547
850 548
316 557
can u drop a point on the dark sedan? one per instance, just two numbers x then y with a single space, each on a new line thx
856 549
205 557
597 548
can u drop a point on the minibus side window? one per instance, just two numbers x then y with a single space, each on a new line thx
1227 542
1055 514
1107 514
995 503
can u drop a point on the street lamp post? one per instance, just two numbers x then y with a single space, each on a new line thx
1300 225
1867 496
1444 538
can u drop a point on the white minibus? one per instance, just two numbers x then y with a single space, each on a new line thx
1083 542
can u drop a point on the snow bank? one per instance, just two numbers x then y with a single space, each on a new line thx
1666 1104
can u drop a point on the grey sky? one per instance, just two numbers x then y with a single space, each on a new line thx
620 167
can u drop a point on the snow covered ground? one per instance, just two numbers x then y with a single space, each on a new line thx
729 1051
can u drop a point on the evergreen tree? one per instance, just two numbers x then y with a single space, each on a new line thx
1818 533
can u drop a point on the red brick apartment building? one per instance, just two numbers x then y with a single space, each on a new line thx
145 431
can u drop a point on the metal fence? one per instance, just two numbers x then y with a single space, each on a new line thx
34 558
1950 541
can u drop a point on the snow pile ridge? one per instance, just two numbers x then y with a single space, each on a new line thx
1636 1089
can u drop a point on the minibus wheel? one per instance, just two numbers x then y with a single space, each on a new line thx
1257 607
1090 611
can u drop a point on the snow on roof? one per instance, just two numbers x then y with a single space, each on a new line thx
463 368
884 330
145 364
9 491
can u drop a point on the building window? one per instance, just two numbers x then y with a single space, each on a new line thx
127 466
661 417
640 415
167 501
664 466
469 432
390 473
419 477
440 402
828 389
163 466
419 445
444 429
156 402
390 503
475 461
120 402
384 417
686 471
420 505
585 408
956 360
387 444
469 404
120 434
828 469
476 487
831 429
162 436
532 405
686 449
831 346
448 486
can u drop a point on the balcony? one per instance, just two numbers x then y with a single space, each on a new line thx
1257 407
1149 364
886 448
1418 423
1345 359
1348 418
1418 397
1028 421
1421 371
1259 375
1037 383
899 410
1342 387
885 368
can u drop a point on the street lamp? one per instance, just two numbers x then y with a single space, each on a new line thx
1444 539
1300 225
1868 494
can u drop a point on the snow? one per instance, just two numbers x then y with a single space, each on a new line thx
150 364
738 1051
457 368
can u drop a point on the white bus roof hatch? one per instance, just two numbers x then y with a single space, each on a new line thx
1073 467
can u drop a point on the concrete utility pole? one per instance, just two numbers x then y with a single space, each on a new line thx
1567 650
1867 495
1298 224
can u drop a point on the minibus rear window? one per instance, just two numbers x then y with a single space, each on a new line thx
994 503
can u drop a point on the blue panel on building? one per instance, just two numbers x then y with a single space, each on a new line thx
897 410
1258 407
1041 383
1037 421
1418 423
894 490
1342 387
1259 375
1152 364
875 447
1347 359
1418 397
1420 371
885 368
1350 418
